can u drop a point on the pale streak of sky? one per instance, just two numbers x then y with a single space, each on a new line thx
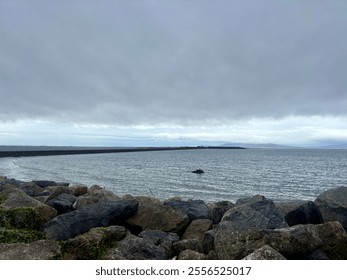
172 72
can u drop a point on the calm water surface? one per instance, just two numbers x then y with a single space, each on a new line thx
278 174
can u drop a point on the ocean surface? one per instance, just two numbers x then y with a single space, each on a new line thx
279 174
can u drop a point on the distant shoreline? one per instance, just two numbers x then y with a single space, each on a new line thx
79 151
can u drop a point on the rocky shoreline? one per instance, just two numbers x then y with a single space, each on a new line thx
51 220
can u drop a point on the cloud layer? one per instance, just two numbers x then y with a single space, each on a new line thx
171 62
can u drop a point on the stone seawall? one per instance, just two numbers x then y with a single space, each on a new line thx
52 220
74 151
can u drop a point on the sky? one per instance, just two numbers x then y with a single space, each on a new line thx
164 72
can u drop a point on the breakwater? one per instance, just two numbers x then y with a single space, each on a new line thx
76 151
50 220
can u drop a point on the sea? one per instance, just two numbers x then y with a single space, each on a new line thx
278 174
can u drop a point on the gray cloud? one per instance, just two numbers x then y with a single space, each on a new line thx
148 62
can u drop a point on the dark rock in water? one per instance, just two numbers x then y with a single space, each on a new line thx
62 203
299 212
255 212
195 209
198 171
45 183
333 205
101 214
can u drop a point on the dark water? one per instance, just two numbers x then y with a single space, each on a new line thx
229 174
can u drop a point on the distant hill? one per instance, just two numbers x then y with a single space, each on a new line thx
254 145
335 146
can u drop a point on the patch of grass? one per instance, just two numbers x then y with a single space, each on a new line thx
20 235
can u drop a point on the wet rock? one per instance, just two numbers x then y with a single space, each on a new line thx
102 214
333 205
255 212
299 212
153 215
265 253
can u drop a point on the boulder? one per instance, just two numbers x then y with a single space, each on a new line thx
30 188
39 250
136 248
236 243
194 209
255 212
79 189
187 244
153 215
191 255
218 209
334 240
23 211
197 228
46 183
296 242
299 212
94 244
102 214
333 205
162 239
208 241
94 195
62 203
265 253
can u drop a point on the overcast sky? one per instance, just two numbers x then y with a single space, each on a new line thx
172 72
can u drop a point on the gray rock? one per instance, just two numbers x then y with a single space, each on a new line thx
296 242
194 209
318 255
94 195
191 255
299 212
334 239
38 250
46 183
208 241
265 253
62 203
197 229
153 215
136 248
255 212
218 209
333 205
187 244
162 239
101 214
93 244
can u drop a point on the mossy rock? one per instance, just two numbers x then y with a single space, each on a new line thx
23 236
20 218
94 244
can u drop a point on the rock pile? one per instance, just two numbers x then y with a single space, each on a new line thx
50 220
